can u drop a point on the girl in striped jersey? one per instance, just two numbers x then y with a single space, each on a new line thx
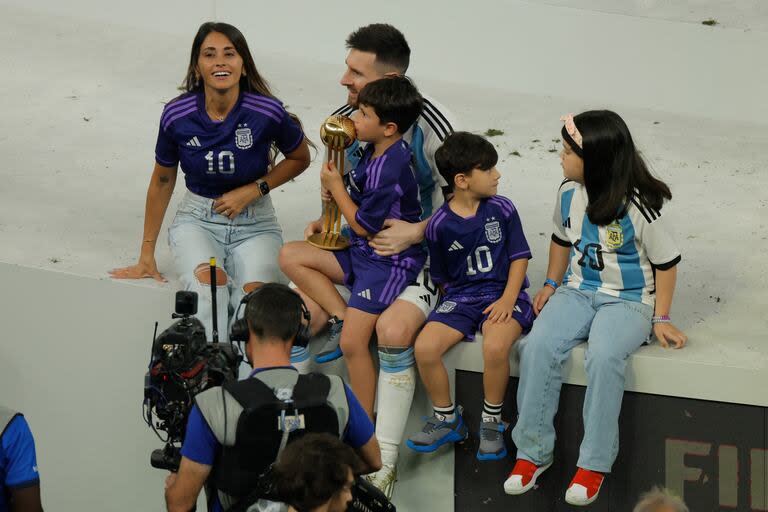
610 281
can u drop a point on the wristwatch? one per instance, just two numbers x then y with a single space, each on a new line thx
263 186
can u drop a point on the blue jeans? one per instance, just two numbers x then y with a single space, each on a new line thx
246 247
614 328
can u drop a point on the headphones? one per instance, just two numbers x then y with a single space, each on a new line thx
239 329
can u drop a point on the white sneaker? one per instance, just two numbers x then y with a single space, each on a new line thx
523 477
384 479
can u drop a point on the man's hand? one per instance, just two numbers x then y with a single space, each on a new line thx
170 479
669 335
235 201
182 488
396 236
541 299
500 311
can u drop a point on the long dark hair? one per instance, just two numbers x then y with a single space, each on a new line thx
614 171
251 81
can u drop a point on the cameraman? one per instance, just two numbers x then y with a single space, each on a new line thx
274 318
19 480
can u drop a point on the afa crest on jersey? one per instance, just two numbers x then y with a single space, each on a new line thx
446 307
243 138
614 235
493 231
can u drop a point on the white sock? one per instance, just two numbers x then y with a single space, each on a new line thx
492 411
397 382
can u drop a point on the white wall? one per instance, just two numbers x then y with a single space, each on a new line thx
563 49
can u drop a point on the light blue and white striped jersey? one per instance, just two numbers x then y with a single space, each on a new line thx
426 135
618 259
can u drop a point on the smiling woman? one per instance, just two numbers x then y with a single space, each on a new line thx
225 131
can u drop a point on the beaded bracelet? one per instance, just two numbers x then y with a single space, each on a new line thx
661 319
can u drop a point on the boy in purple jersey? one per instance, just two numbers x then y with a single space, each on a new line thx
479 256
381 186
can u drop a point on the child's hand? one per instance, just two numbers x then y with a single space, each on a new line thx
668 334
500 311
330 177
541 299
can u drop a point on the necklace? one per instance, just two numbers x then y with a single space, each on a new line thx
215 117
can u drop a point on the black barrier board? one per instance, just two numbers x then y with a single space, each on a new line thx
712 453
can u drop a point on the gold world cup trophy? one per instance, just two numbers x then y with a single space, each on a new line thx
337 133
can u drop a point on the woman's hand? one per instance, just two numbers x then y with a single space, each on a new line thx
330 178
236 200
316 226
541 298
669 335
146 267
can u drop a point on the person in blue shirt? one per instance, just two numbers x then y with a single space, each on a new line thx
274 319
19 479
224 132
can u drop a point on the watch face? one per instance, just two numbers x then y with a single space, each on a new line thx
264 188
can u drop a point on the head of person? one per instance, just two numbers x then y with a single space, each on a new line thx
375 51
659 500
598 151
316 473
220 60
388 107
467 162
274 314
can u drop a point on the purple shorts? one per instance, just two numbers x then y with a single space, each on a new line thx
465 314
375 283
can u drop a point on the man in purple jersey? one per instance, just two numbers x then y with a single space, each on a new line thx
224 132
479 256
381 186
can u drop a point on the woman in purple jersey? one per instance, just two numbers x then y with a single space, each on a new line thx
225 131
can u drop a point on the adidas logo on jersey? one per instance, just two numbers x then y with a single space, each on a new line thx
193 142
567 223
427 299
366 294
455 246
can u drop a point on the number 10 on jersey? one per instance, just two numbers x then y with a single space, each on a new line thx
227 167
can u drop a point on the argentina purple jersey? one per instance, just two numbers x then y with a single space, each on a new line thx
384 188
471 257
217 157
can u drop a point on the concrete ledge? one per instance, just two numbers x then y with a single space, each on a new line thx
709 367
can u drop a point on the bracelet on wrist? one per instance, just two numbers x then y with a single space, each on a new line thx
661 319
552 283
149 241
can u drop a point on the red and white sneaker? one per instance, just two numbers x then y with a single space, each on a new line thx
584 487
523 476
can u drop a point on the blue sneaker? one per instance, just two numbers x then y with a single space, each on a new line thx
492 445
436 432
331 350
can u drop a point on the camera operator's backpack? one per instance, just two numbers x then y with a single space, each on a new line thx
269 420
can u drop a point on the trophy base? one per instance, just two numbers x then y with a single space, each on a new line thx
329 241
